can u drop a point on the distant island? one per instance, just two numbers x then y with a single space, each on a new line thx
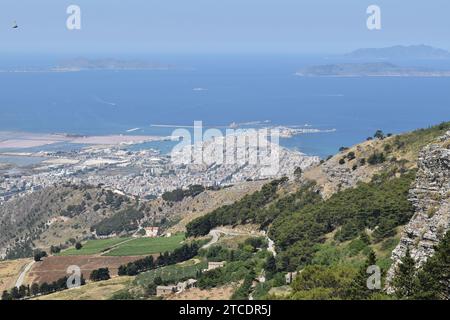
376 69
83 64
400 52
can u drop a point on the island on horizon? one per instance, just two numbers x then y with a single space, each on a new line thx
371 69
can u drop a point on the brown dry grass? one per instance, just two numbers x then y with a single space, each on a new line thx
221 293
102 290
331 184
9 272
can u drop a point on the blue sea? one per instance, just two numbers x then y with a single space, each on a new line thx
237 89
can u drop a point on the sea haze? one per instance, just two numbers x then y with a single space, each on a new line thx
220 90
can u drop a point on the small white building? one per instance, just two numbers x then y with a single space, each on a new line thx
151 232
182 286
214 265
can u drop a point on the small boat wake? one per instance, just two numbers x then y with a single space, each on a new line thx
99 100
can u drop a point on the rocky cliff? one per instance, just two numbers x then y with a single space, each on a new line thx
430 197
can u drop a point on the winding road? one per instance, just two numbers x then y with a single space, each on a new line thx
22 275
215 233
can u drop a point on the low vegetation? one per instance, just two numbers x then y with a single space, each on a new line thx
183 253
123 221
240 212
178 195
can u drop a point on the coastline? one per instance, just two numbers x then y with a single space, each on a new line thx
25 140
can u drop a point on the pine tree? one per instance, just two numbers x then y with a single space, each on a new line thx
404 279
34 289
6 295
271 267
358 289
433 280
364 237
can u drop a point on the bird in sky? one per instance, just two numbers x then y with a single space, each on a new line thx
15 26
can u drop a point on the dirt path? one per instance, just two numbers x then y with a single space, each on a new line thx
22 275
215 237
215 233
115 246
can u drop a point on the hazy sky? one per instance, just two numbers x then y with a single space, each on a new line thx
184 26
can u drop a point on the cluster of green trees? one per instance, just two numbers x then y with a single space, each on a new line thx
185 252
101 274
241 264
20 250
123 221
36 289
376 158
55 249
114 200
39 254
301 220
340 281
219 253
240 212
73 210
178 195
232 272
382 203
243 292
245 251
431 282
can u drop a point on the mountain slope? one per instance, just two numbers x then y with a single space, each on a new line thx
365 203
430 196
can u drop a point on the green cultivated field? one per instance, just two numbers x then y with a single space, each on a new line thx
145 246
94 247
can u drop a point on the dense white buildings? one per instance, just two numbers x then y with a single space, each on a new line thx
146 173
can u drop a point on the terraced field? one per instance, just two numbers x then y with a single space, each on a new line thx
53 268
147 246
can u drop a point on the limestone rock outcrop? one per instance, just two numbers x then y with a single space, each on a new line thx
430 197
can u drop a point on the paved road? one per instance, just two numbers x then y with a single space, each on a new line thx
216 235
22 275
271 246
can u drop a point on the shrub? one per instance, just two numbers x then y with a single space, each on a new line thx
351 156
100 274
376 158
39 254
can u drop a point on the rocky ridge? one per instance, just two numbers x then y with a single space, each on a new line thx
430 198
